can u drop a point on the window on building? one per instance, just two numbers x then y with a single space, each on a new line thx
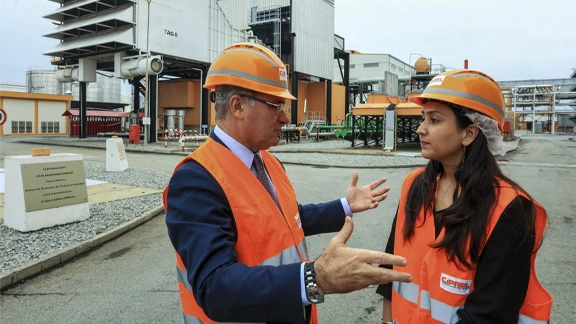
368 65
351 66
50 127
393 67
400 71
21 127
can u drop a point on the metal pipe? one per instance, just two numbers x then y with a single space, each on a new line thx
514 111
201 103
147 107
553 113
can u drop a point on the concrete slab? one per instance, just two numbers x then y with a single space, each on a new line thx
103 193
109 192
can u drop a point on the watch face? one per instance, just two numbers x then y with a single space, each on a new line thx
315 295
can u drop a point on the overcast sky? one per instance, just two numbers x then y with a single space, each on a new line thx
507 39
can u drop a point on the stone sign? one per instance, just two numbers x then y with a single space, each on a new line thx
116 160
44 190
53 184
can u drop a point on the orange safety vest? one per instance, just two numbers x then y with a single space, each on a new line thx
266 236
439 288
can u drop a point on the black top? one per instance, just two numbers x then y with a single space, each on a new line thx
502 273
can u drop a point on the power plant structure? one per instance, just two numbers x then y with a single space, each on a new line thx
163 51
162 48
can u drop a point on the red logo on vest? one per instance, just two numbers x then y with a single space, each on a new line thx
455 285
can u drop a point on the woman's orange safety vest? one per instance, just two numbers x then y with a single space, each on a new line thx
266 236
439 288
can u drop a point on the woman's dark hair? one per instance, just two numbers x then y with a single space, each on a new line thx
467 217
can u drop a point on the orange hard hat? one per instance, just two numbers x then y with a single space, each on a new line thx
250 66
467 88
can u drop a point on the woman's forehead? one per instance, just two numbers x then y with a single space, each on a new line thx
435 106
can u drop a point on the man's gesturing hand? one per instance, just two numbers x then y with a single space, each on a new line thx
365 197
341 269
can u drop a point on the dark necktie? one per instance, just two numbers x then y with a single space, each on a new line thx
263 178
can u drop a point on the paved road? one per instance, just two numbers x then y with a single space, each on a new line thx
132 278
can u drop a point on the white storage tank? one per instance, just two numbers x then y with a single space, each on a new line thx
105 89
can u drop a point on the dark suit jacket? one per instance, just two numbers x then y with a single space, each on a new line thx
202 230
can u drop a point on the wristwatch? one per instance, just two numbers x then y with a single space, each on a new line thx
314 294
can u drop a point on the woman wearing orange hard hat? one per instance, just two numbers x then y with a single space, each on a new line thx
469 233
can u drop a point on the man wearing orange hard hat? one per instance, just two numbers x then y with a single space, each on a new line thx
234 220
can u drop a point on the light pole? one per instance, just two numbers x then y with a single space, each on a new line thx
513 109
147 103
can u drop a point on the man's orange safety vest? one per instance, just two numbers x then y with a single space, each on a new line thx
266 236
439 288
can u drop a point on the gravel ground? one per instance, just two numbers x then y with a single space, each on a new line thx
350 160
18 248
309 143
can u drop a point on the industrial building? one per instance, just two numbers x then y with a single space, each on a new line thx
164 51
542 106
374 73
105 111
172 45
34 114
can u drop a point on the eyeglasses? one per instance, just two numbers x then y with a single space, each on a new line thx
277 106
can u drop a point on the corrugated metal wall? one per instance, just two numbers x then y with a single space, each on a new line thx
313 24
177 28
223 32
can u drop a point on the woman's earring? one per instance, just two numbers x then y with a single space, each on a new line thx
458 172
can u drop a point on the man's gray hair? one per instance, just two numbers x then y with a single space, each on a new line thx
223 95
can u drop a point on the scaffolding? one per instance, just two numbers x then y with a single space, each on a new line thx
541 102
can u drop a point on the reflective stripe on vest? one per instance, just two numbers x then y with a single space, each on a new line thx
527 320
288 256
438 310
195 320
407 290
192 320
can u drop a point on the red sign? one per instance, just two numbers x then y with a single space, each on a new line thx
3 117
